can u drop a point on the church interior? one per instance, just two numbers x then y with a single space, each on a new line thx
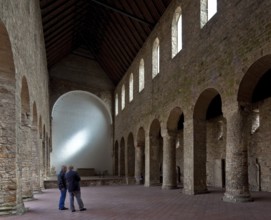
168 98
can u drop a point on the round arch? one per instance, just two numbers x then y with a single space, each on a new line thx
254 99
81 132
11 202
175 125
86 93
203 102
207 117
174 118
252 77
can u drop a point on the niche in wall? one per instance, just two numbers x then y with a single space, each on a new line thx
81 132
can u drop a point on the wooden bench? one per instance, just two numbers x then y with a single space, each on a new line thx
86 171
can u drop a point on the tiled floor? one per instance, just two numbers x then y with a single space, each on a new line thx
139 202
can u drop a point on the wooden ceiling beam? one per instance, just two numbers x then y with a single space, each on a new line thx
153 9
63 50
59 41
136 26
122 12
59 51
66 5
70 12
45 3
113 43
60 36
117 41
144 7
133 43
66 21
110 65
51 7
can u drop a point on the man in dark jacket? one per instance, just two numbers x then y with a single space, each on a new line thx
62 187
73 180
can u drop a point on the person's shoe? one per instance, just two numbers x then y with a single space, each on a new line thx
83 209
73 210
63 208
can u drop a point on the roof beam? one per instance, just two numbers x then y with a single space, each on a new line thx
124 13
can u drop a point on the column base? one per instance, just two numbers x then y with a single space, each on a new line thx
12 210
237 198
28 198
139 181
194 192
37 191
167 187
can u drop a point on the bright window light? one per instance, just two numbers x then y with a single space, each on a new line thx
212 8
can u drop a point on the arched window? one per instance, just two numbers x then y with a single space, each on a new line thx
155 58
177 32
208 9
116 104
123 97
141 75
131 87
255 120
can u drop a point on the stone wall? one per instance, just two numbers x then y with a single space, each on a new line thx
216 151
75 73
22 22
260 150
79 73
215 57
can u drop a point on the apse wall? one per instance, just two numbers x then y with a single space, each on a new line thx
81 132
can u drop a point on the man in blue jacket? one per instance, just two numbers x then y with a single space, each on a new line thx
73 182
62 187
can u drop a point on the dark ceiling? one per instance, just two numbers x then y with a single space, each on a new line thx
109 31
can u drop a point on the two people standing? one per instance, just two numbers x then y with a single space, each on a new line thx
72 183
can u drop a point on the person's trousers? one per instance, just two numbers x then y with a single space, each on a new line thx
77 195
62 198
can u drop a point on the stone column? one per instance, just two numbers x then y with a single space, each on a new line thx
237 189
26 158
46 157
169 160
36 161
117 160
154 161
42 162
139 163
200 156
188 157
147 160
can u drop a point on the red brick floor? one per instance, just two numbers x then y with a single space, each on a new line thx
139 202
